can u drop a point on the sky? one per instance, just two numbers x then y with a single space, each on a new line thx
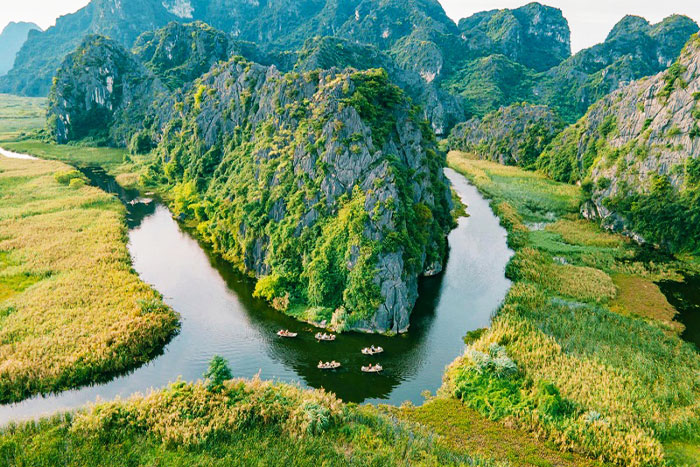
589 20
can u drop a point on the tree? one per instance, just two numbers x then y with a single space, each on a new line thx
217 373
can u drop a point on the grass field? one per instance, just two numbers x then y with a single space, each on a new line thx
72 311
600 368
464 429
20 115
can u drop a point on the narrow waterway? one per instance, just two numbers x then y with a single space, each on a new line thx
220 317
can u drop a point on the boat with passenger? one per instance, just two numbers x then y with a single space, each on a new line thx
286 333
372 350
325 337
372 368
332 365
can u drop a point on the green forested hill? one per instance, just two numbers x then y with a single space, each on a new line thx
326 186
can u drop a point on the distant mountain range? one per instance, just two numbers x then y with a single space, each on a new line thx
11 40
455 71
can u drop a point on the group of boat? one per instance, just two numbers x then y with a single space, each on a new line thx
333 365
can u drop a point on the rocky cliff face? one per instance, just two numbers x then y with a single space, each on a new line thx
440 108
179 54
514 135
324 185
11 40
100 92
632 50
638 152
534 35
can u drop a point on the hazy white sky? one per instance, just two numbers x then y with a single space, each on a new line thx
590 20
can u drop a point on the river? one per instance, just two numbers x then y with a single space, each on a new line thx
220 317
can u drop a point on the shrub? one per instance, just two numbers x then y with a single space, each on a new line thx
64 177
141 143
694 132
548 400
77 183
217 373
269 287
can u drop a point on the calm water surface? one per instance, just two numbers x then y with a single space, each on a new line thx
220 317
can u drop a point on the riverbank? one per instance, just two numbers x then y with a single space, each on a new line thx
231 422
72 311
588 368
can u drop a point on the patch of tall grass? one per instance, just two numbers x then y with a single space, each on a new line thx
578 282
464 429
75 155
75 317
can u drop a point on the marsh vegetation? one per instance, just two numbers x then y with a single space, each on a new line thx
72 311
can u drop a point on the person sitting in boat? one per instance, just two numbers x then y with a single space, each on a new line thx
371 347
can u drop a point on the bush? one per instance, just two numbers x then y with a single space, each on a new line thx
217 373
548 399
141 143
65 177
77 183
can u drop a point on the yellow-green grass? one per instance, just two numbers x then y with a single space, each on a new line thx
238 423
680 454
20 115
75 155
585 233
638 296
578 282
463 429
533 196
72 310
558 323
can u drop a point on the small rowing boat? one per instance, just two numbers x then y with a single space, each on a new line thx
286 333
372 350
325 337
328 365
372 368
